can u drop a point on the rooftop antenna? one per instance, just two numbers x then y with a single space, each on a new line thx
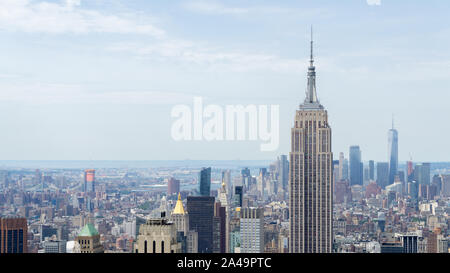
311 60
392 120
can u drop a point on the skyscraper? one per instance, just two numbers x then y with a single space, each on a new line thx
310 175
179 217
410 171
343 170
226 178
382 174
13 235
205 182
238 196
220 230
356 176
252 230
393 153
173 186
89 181
283 169
371 170
201 214
422 173
246 178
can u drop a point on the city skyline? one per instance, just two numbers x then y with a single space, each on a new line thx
94 89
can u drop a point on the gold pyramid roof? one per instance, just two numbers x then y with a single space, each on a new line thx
179 209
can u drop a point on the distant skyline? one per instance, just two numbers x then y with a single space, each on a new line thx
96 80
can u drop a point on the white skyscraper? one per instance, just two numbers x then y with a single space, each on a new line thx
252 230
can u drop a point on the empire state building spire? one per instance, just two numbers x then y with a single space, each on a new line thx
311 175
311 101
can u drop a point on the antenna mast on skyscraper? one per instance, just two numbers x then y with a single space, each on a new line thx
311 60
392 120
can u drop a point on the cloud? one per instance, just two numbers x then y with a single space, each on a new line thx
181 51
76 94
68 17
373 2
211 7
217 8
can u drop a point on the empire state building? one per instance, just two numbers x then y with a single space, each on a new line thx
310 175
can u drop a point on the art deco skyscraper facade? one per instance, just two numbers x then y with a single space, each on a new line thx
393 153
311 175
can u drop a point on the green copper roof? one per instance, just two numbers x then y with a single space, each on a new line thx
88 230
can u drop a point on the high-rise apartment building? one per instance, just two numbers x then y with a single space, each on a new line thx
310 175
205 182
252 230
13 235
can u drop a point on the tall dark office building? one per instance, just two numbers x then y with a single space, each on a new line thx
238 192
311 175
409 243
371 170
393 153
201 217
245 172
219 228
204 182
382 174
356 175
13 235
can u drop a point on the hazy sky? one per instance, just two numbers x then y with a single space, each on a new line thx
97 79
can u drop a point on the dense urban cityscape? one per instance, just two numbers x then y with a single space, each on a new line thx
370 215
304 202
